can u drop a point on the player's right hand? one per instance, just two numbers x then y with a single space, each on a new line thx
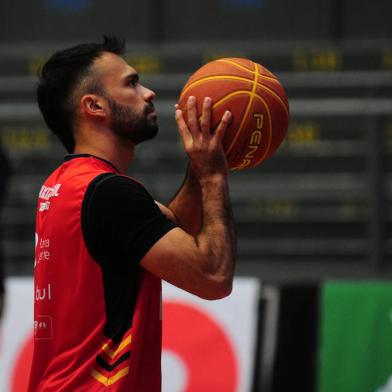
203 145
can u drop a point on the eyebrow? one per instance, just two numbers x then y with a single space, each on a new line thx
132 77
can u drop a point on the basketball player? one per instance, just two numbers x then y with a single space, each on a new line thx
102 243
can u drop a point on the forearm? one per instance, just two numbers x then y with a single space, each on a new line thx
187 204
217 237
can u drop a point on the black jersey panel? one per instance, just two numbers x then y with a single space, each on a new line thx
120 223
122 220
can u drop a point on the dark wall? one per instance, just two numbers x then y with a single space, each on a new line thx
189 20
54 20
229 20
367 19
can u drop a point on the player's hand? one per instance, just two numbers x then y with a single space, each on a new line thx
201 143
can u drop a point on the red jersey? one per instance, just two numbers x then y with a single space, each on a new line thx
79 345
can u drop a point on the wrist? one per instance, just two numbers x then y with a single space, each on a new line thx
213 179
208 174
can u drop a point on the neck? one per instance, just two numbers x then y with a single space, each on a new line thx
118 154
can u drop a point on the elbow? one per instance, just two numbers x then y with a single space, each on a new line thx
216 288
215 279
221 293
223 288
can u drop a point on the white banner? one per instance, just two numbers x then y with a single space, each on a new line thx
17 335
208 346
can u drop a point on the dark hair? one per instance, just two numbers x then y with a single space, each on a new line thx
60 76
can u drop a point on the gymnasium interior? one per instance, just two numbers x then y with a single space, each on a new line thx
312 300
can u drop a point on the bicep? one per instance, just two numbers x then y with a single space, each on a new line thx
177 258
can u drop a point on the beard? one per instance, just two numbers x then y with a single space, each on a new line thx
131 125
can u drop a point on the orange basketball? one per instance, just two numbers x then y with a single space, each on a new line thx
256 100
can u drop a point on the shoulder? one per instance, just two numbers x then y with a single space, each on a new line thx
115 187
120 217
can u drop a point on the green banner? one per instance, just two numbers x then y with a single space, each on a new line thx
356 337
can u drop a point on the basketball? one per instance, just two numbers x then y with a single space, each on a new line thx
257 101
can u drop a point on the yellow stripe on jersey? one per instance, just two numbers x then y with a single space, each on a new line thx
107 350
106 381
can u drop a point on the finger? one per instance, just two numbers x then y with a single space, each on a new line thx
205 120
193 122
183 129
223 125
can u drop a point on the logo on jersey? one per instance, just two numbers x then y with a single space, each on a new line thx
46 193
43 327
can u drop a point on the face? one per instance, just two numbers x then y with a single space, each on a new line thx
132 113
126 123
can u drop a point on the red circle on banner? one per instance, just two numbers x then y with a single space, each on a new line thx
21 370
203 345
200 341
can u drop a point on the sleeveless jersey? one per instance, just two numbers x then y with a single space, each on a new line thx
72 349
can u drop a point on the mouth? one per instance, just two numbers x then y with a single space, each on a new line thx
150 109
152 116
151 113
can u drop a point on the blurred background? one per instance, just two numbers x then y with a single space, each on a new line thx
314 221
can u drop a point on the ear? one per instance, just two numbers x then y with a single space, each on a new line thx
93 105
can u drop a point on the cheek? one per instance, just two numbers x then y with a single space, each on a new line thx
137 103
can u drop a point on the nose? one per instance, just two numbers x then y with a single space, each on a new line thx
148 94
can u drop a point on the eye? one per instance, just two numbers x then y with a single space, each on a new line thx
133 80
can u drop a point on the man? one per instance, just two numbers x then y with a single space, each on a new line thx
102 243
